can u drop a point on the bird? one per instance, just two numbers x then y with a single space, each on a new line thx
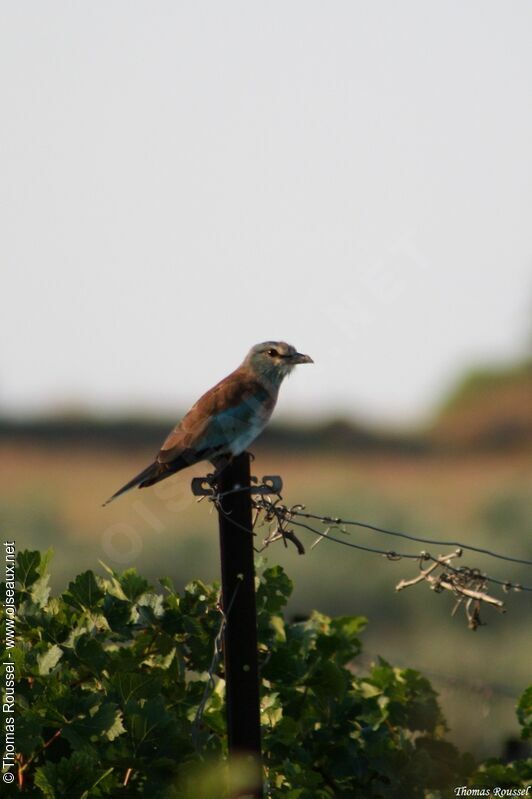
227 418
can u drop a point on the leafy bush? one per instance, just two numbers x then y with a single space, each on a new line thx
112 673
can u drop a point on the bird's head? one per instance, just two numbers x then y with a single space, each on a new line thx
274 360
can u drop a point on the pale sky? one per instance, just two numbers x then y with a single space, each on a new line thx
180 180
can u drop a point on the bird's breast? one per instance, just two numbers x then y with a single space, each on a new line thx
245 435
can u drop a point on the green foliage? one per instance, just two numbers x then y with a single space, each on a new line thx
524 712
112 672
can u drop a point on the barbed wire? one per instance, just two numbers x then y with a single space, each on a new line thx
285 514
338 521
468 585
410 537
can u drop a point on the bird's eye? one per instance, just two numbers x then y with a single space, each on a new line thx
273 353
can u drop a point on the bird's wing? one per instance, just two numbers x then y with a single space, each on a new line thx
225 411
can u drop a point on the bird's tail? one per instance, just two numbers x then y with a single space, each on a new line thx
152 474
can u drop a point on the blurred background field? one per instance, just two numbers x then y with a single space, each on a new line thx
466 476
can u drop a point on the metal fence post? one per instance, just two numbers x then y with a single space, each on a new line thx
238 601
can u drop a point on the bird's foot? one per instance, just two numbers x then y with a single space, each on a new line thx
219 465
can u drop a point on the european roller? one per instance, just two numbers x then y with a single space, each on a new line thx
228 418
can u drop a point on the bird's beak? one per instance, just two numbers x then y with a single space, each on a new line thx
300 358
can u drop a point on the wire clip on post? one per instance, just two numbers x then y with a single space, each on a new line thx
207 486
